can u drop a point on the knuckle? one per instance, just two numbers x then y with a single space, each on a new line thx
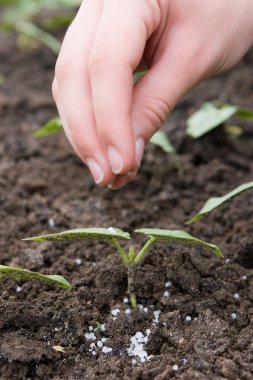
155 110
97 62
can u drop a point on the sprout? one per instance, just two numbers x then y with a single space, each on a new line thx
131 259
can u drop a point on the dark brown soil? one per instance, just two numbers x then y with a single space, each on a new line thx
42 181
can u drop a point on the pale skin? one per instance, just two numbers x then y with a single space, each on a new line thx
109 120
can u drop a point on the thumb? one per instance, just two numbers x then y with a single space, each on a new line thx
157 93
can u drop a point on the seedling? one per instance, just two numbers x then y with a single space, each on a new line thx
161 139
212 203
19 274
19 16
52 127
131 259
212 114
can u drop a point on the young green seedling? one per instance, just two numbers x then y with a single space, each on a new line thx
211 115
212 203
131 259
20 274
19 16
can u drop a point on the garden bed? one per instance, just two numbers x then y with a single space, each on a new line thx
195 311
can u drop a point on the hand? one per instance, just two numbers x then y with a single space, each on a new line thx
106 118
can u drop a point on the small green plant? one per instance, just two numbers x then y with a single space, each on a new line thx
22 17
212 114
52 127
212 203
19 274
131 259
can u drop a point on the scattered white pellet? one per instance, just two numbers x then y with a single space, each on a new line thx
91 328
51 222
139 336
134 361
125 300
18 289
184 361
103 340
93 352
166 294
181 341
136 347
236 296
99 343
140 307
244 277
168 284
227 261
103 327
148 332
90 336
145 309
111 229
94 264
106 350
233 316
188 318
115 312
156 316
128 311
175 367
78 261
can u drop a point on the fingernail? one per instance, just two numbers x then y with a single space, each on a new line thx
115 160
95 170
139 149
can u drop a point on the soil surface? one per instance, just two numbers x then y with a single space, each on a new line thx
198 308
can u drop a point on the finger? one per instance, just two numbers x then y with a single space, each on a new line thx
117 50
74 93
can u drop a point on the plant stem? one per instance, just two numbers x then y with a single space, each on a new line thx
121 252
131 281
39 34
143 250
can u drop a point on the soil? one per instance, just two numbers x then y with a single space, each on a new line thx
42 183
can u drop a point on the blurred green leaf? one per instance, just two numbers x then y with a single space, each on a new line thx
161 139
207 118
52 127
213 114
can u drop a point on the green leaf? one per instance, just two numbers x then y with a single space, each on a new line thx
177 236
52 127
215 202
245 113
139 74
2 79
91 233
233 131
19 274
161 139
208 117
33 31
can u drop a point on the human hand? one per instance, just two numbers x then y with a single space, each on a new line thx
107 119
